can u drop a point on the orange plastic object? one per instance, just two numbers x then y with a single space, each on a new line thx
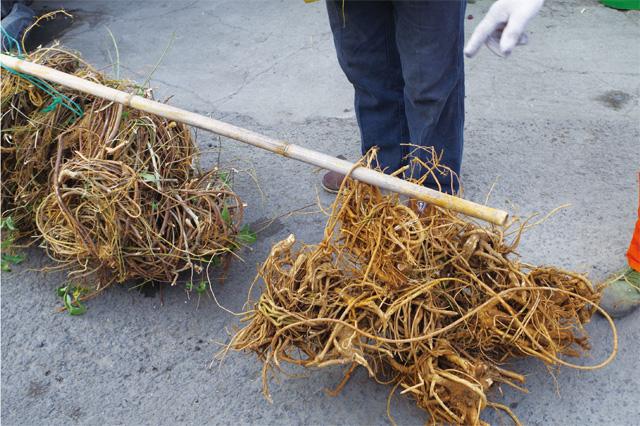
633 254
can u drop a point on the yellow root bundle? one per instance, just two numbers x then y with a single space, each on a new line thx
428 302
114 192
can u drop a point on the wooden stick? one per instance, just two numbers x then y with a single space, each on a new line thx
285 149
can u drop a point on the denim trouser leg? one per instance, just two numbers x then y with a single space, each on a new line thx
404 59
430 38
365 42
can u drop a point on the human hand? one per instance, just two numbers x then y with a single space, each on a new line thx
503 27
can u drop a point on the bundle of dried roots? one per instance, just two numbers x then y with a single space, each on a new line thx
429 302
112 191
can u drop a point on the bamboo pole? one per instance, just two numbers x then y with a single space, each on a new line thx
285 149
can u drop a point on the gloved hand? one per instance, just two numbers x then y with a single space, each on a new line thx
503 27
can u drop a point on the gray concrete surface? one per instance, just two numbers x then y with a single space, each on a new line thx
549 124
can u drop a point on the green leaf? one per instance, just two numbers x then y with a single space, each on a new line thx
190 286
70 298
77 292
6 260
202 287
226 215
15 259
6 243
8 223
246 236
74 307
154 205
149 177
225 178
125 114
78 310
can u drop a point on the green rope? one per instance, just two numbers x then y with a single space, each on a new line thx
57 98
12 41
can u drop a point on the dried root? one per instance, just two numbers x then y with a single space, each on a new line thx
431 303
112 192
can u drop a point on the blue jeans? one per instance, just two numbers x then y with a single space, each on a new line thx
16 17
404 59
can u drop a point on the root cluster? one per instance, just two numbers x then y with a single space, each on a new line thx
112 192
428 302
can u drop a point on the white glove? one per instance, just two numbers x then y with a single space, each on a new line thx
503 27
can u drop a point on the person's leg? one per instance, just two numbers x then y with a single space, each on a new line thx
364 36
430 39
14 21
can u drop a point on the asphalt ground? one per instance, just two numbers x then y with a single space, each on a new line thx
557 123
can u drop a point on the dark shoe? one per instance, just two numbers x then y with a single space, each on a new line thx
621 294
331 181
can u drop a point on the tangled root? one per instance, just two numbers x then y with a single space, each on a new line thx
431 303
114 193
